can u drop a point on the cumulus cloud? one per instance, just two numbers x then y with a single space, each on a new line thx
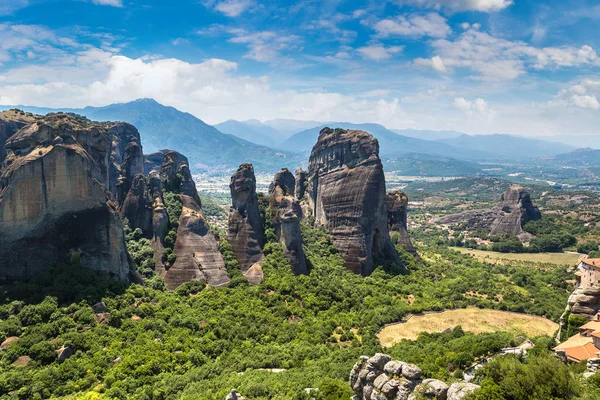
113 3
434 62
463 5
414 25
583 95
379 52
477 107
231 8
493 58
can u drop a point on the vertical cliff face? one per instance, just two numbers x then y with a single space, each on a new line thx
126 160
54 199
285 217
347 195
397 203
136 207
301 179
245 231
160 218
196 248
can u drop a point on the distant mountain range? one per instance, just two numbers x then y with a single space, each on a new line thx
390 143
166 127
427 135
508 146
277 143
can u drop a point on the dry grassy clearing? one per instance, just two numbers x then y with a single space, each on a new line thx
495 257
471 319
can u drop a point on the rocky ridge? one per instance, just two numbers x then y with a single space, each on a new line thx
55 197
397 203
347 195
382 378
508 216
245 228
286 214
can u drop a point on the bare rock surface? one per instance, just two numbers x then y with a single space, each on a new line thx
136 207
382 378
508 216
54 198
301 183
286 214
196 248
245 230
153 161
397 203
347 195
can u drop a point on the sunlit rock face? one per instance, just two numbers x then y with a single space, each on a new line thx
55 197
513 210
347 195
196 248
286 214
245 230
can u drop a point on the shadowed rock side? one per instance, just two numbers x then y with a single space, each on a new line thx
54 199
136 207
301 180
10 122
197 250
508 216
397 203
126 160
245 231
347 195
382 378
285 217
153 161
160 218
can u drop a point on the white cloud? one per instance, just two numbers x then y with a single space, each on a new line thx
435 62
379 52
493 58
477 107
415 25
7 7
463 5
583 95
113 3
233 8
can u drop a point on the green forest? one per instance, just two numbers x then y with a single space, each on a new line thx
199 342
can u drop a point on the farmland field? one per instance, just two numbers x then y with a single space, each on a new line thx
496 257
470 319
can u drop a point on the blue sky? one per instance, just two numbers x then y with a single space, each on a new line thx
478 66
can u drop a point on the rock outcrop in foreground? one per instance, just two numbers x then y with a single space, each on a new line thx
196 248
347 195
286 214
508 216
382 378
245 230
397 203
55 197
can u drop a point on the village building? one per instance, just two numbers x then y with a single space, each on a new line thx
588 273
585 344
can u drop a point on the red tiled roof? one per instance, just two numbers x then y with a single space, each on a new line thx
593 262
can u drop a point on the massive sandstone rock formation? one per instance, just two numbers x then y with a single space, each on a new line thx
347 195
245 230
196 248
153 161
55 198
285 217
397 203
508 216
382 378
